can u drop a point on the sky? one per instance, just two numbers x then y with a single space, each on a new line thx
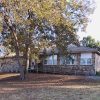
93 28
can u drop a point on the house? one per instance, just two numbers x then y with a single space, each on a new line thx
80 61
8 62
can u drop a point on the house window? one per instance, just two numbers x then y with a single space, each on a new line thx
51 60
69 60
86 59
89 61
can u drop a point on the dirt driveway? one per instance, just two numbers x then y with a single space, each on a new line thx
48 87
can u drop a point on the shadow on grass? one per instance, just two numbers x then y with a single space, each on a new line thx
10 83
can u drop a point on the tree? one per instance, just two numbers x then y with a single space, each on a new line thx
30 23
90 42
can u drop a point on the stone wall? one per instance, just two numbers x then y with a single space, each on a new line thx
9 64
69 69
72 69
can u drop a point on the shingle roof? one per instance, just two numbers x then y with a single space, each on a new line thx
81 49
72 49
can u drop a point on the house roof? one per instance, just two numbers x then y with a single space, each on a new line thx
71 49
81 49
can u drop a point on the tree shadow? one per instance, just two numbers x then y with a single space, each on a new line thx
13 84
5 77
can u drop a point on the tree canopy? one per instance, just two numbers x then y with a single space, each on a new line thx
61 17
90 42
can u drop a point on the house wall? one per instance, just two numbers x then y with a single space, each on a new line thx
72 69
97 62
9 64
2 51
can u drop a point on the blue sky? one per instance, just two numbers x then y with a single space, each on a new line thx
93 28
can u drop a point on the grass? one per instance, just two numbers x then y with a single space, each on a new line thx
48 87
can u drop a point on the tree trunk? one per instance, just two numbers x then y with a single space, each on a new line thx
27 52
22 70
22 74
12 29
27 59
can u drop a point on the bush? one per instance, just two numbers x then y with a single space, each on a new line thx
98 73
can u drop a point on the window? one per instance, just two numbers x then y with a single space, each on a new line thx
62 61
86 59
89 61
69 60
82 61
51 60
